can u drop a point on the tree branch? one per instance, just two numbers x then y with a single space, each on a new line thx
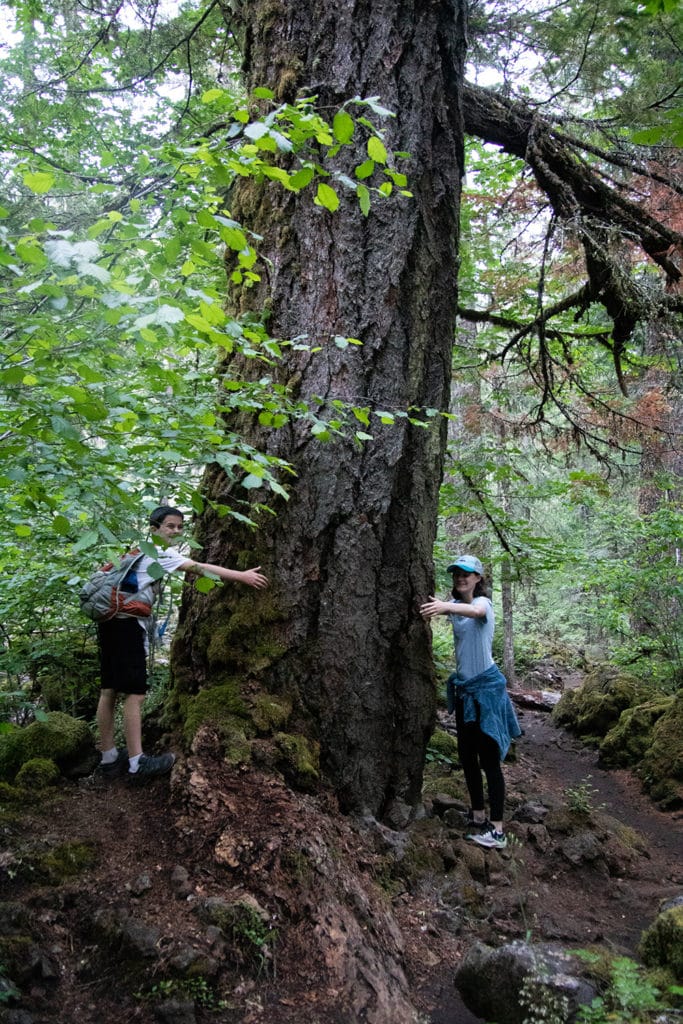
604 219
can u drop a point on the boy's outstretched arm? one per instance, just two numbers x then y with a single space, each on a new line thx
250 577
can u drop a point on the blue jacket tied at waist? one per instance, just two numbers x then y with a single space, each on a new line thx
486 701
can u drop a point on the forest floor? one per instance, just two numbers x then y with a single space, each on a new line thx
591 903
159 852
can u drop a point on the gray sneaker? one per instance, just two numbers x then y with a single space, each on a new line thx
491 839
151 768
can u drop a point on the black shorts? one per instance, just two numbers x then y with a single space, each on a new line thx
123 660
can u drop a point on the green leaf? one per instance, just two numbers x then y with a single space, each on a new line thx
363 194
87 540
23 530
61 525
365 170
31 253
252 481
39 182
211 95
302 178
204 584
327 197
343 126
377 150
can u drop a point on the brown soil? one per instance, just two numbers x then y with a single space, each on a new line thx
356 939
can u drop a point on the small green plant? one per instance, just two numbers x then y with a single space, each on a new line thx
580 798
630 997
434 756
541 1002
197 989
17 709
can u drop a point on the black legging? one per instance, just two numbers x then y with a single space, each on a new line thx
479 752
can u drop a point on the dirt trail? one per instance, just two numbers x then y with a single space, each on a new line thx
575 905
561 761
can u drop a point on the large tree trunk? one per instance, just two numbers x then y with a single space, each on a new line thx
338 637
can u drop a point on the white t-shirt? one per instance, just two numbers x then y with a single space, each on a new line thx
169 559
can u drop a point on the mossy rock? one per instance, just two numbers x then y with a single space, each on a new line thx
38 773
443 744
245 925
60 738
298 760
661 945
595 708
439 778
662 766
629 740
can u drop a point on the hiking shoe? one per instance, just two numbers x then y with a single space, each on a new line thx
151 768
491 839
475 828
115 770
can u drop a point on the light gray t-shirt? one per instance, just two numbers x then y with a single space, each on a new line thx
473 640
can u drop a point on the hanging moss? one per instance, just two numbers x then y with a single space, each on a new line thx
661 944
628 741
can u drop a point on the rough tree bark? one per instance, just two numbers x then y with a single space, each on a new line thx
338 637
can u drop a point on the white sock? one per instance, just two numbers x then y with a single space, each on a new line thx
109 756
133 763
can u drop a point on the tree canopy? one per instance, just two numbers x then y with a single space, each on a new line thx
126 129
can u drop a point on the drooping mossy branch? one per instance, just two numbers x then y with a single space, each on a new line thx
604 215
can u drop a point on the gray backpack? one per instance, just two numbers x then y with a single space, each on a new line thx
113 590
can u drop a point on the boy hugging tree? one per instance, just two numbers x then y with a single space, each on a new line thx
123 655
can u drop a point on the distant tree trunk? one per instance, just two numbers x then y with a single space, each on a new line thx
508 629
661 471
338 637
506 572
